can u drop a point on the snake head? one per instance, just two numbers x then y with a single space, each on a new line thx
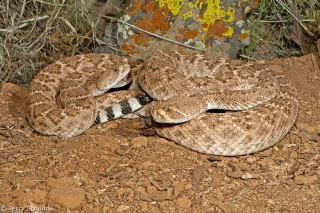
177 110
117 72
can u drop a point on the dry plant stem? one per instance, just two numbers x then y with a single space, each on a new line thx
43 2
22 11
68 23
247 57
117 160
49 22
152 34
98 19
4 133
108 200
26 27
35 19
6 126
288 10
120 51
7 148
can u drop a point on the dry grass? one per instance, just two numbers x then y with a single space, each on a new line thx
35 33
283 28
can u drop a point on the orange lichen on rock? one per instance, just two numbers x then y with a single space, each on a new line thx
155 18
242 36
216 30
141 39
135 9
185 35
196 23
256 4
130 49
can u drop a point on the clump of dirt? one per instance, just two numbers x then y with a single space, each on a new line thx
122 166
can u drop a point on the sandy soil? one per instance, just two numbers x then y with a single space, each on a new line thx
122 166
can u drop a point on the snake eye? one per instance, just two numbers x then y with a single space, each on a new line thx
168 109
116 69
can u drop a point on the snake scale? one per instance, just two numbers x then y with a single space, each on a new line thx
68 97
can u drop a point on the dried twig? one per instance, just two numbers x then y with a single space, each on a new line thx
302 25
117 161
7 127
32 32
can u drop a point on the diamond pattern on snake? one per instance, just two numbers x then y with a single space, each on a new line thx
68 97
262 105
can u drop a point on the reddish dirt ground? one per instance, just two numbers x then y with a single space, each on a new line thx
122 166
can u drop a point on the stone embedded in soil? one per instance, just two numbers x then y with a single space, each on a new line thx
66 197
156 196
307 127
61 182
38 195
123 208
276 68
183 202
5 199
305 180
144 206
21 200
140 142
107 142
197 176
14 89
179 186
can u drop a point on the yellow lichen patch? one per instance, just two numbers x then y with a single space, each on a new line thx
214 12
174 6
230 14
229 31
188 14
207 19
191 6
195 4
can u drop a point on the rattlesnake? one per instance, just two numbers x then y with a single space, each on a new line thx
267 100
79 83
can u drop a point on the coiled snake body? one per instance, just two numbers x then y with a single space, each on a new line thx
263 104
267 102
